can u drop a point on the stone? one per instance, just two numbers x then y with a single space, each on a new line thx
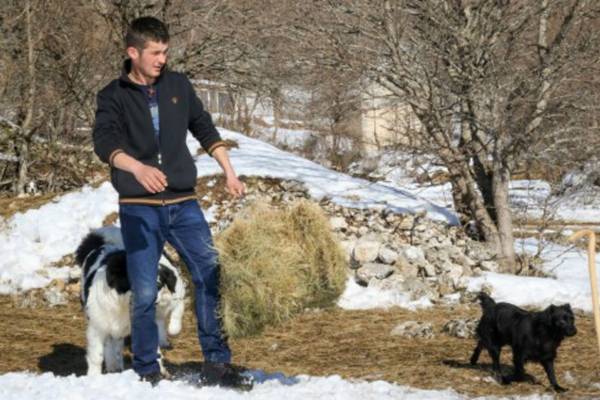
413 254
461 328
421 227
418 288
338 223
391 218
366 249
454 273
387 255
58 284
490 266
373 270
406 223
293 186
413 329
405 268
347 246
55 297
437 255
74 274
427 269
393 283
444 287
74 288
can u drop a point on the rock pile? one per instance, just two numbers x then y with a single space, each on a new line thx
401 252
407 253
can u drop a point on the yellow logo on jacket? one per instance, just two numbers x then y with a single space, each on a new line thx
174 99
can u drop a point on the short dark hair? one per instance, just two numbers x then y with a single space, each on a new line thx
143 29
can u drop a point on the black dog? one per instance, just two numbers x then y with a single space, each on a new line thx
533 336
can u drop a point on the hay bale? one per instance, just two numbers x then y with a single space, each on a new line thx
275 263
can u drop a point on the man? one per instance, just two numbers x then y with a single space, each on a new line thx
140 131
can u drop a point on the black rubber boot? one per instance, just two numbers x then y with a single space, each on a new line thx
153 378
225 375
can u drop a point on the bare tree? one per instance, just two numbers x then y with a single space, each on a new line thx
48 80
334 112
489 82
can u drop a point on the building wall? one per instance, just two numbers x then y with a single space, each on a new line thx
384 119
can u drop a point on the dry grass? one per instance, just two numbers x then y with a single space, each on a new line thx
10 205
275 263
353 344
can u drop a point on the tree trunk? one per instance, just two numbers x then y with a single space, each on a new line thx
466 190
506 248
485 184
23 167
462 207
26 132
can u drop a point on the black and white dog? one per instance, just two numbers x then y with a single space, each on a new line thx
106 295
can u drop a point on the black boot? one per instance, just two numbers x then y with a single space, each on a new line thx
225 375
153 378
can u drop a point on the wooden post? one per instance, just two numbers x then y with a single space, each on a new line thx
593 277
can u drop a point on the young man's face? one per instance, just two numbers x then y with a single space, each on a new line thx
149 61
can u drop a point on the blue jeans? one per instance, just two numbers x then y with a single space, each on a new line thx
145 230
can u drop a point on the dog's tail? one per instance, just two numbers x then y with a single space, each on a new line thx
487 303
96 239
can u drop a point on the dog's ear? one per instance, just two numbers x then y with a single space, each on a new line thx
116 272
167 277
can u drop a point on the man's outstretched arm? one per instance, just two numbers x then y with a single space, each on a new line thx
233 185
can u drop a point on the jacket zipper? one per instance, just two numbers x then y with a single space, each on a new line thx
161 195
160 168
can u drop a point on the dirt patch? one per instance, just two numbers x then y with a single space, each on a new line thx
352 344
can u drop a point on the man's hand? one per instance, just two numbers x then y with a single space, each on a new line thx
151 178
234 186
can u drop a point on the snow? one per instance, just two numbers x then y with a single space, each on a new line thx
255 158
31 241
571 284
292 138
532 198
125 386
356 297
